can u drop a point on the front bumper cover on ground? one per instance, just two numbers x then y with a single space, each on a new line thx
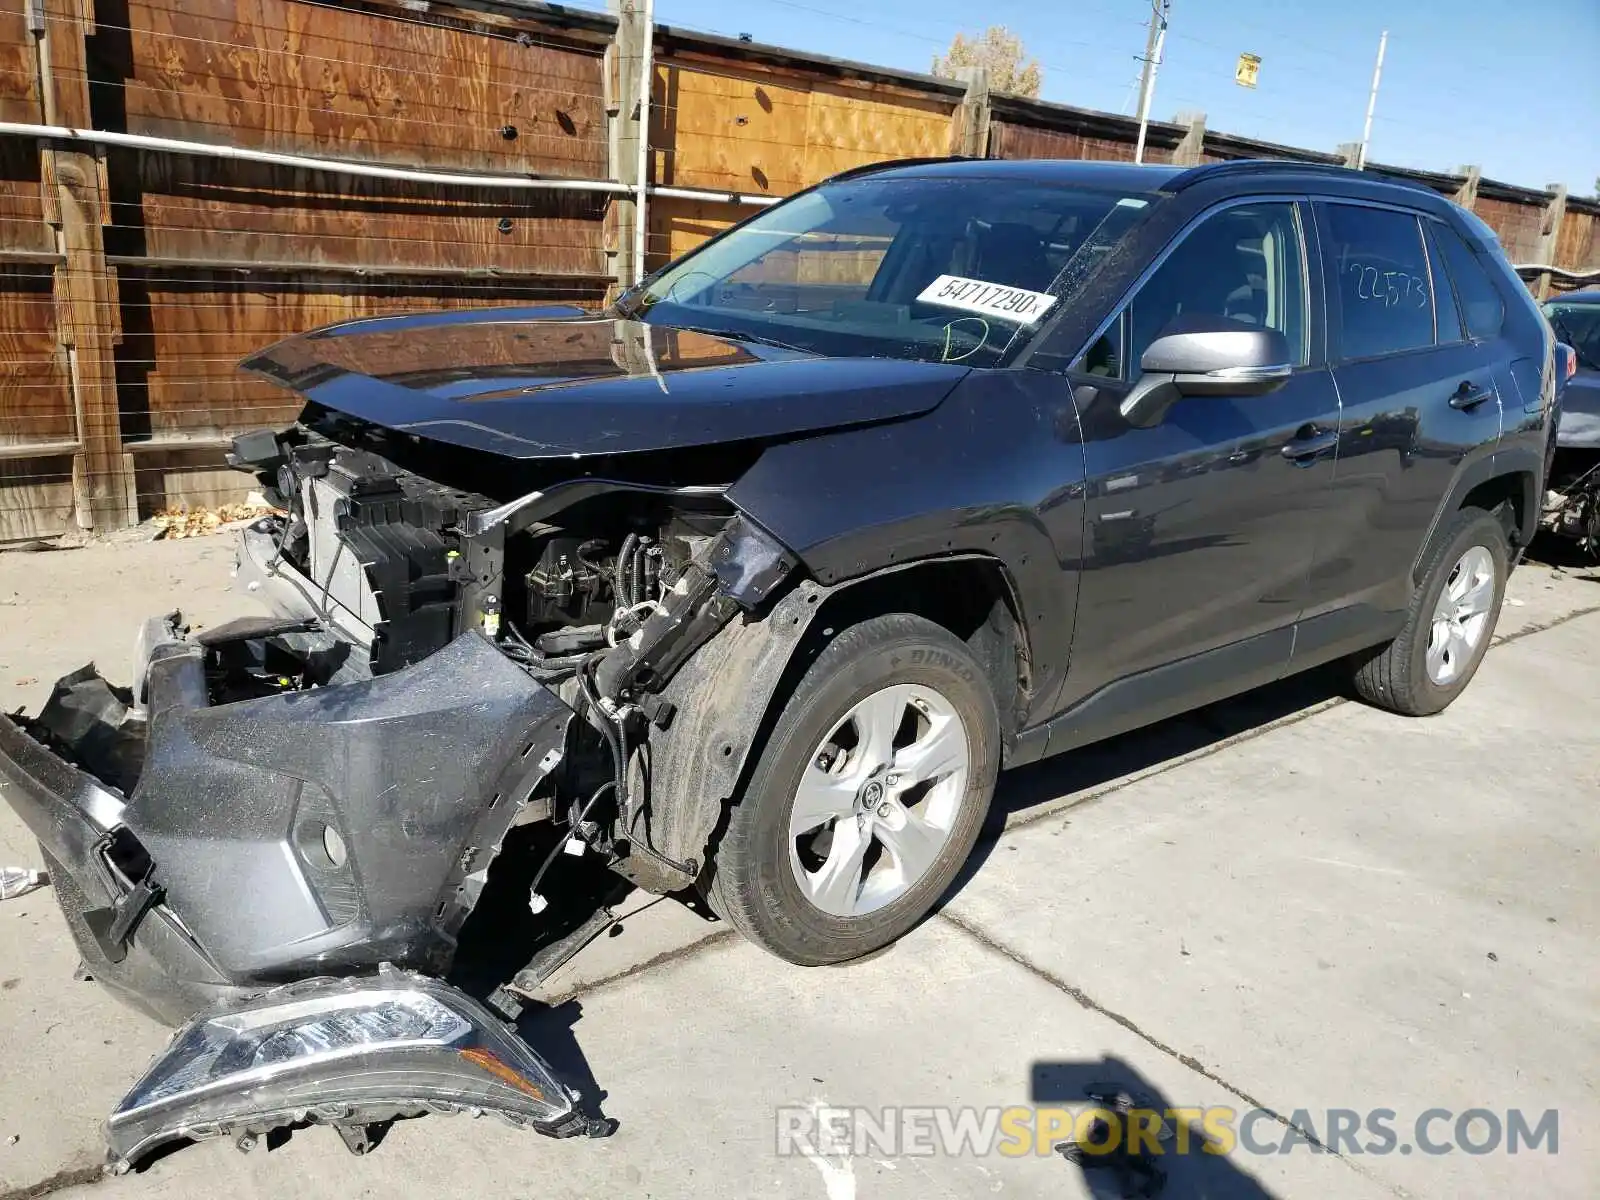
315 836
317 832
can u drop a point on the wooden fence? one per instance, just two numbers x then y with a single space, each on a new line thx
134 274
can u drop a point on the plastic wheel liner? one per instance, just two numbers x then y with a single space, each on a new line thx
307 838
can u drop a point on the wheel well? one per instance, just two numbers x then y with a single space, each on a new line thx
972 597
1509 496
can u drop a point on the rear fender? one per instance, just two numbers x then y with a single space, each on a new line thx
1522 461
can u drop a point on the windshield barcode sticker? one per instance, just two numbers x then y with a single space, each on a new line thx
991 299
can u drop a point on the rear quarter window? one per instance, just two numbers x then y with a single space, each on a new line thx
1482 307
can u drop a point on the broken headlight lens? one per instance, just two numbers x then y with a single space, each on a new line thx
339 1051
220 1049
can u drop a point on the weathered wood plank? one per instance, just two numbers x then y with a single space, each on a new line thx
35 497
304 78
1577 248
22 215
1011 140
196 208
66 26
1516 225
19 89
678 226
35 403
848 128
740 131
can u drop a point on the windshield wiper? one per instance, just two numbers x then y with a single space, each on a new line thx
736 335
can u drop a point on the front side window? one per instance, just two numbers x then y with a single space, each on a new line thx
1242 265
1378 280
940 268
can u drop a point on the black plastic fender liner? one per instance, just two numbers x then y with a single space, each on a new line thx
722 694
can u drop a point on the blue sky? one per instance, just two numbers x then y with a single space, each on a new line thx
1512 86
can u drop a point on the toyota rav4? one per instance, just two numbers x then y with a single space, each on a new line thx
753 582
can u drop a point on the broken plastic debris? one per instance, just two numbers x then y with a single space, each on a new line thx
19 881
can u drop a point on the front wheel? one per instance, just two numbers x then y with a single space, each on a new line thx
868 796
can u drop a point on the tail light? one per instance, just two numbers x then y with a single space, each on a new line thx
1566 361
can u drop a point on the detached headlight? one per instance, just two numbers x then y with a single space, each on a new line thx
341 1052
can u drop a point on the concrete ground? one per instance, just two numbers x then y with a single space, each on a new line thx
1288 901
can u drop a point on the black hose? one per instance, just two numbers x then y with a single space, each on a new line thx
623 582
636 575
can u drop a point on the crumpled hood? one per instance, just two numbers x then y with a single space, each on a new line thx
533 383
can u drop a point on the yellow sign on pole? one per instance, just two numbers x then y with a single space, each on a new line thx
1245 73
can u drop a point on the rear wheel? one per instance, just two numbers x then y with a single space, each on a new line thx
1450 624
868 797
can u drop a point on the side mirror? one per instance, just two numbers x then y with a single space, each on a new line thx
1206 356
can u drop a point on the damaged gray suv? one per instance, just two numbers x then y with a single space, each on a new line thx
749 586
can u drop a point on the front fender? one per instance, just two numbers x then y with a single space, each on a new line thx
997 470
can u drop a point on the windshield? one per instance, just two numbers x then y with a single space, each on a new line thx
1578 325
948 269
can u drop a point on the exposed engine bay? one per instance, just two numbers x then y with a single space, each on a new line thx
597 590
400 565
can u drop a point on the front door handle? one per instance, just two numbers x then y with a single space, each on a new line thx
1468 396
1303 451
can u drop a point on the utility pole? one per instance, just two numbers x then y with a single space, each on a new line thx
1159 9
1372 103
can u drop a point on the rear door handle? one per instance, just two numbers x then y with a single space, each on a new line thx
1468 396
1304 451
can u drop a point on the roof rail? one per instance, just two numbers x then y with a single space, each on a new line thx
890 164
1289 166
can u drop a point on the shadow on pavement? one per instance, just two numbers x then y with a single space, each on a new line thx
1126 1142
1091 766
1068 776
1566 555
549 1030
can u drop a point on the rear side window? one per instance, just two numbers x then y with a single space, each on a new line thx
1481 303
1378 281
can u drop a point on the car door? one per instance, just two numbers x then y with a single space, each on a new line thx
1419 394
1198 530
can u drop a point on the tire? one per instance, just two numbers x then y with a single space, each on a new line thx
870 668
1397 676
